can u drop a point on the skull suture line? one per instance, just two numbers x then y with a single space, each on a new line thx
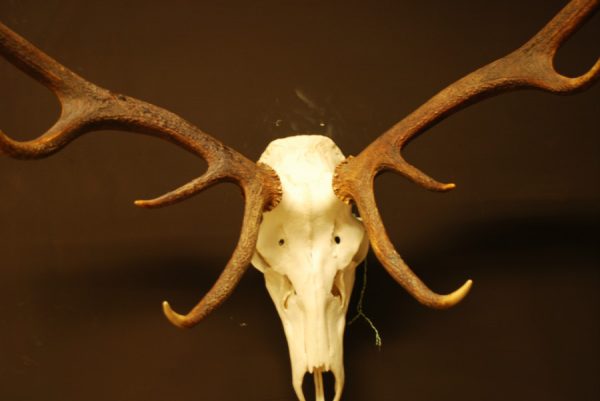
298 227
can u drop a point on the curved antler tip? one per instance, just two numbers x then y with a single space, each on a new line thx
437 186
141 203
587 79
567 85
152 203
456 296
174 317
4 143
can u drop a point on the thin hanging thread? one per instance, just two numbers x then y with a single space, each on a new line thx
359 308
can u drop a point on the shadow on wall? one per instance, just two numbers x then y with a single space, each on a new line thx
533 308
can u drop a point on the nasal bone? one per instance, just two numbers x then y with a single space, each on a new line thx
316 337
319 349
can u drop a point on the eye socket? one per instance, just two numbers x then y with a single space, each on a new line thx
337 239
281 242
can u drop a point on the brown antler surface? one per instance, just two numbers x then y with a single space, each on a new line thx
530 66
87 107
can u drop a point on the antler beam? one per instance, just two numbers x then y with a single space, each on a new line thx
86 107
530 66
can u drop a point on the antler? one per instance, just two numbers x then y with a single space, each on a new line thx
530 66
87 107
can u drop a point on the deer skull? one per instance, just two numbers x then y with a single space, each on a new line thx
298 227
308 248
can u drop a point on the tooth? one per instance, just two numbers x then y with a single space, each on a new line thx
319 393
297 379
338 373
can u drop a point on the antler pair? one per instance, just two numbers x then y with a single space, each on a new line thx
87 107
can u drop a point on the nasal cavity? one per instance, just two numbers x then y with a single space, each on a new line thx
322 386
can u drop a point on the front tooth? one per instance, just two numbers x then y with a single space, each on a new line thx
297 383
319 391
338 374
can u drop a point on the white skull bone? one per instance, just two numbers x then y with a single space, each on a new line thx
308 249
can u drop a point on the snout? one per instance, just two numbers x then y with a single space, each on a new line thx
314 327
317 372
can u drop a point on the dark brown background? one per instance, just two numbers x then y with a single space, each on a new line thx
83 272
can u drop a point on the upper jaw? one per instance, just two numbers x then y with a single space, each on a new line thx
317 371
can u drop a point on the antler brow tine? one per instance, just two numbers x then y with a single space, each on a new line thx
530 66
87 107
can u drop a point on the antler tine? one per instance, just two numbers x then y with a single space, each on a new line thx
69 88
547 42
209 178
233 271
530 66
393 263
87 107
37 64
